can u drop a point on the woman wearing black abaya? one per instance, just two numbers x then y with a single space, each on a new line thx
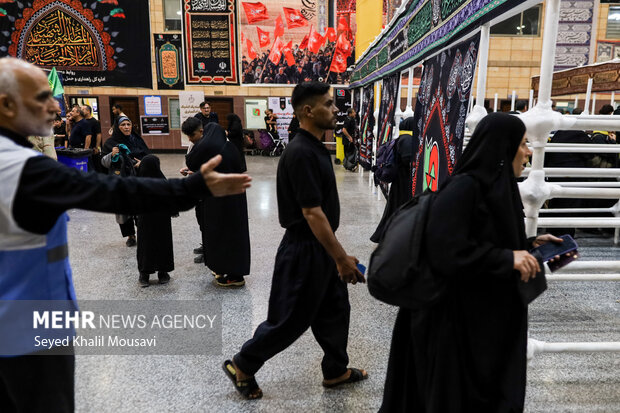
235 136
400 189
121 155
226 237
468 352
155 253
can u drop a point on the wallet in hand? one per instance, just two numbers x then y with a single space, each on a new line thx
528 291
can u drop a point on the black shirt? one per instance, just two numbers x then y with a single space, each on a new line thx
207 119
95 128
349 125
47 188
306 179
80 130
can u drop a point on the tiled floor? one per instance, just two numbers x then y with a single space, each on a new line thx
104 268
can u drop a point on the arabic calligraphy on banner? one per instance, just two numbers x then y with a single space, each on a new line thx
62 41
168 55
210 42
104 44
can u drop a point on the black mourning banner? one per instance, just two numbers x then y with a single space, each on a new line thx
366 126
94 43
210 33
155 125
440 113
169 61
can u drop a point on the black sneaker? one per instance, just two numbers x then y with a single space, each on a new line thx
199 250
144 279
131 241
227 281
164 277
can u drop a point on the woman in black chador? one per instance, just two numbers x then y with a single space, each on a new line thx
225 237
235 136
155 253
121 155
400 189
467 353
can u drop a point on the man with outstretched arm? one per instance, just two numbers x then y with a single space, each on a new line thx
35 192
312 269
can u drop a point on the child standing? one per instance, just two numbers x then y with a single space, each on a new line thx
154 250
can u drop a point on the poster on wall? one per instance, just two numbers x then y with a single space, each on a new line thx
255 113
169 61
440 113
342 100
210 29
287 42
367 125
283 109
155 125
189 105
89 43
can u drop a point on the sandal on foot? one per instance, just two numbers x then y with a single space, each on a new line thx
248 388
355 376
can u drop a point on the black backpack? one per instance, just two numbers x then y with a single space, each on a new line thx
398 273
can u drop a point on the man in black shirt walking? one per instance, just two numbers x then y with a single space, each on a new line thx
312 269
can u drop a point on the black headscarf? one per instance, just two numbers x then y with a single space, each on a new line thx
149 167
407 124
234 123
137 146
488 158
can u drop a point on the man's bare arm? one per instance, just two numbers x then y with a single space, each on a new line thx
321 229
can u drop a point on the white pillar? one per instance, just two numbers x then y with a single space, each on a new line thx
594 103
613 99
512 102
576 102
539 121
483 62
531 102
495 103
586 106
409 109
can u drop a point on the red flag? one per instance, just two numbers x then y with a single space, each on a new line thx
314 41
304 42
330 34
279 31
263 37
251 49
276 51
242 37
339 62
343 25
290 59
294 18
255 12
288 47
343 45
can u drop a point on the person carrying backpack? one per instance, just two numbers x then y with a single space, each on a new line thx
400 163
467 352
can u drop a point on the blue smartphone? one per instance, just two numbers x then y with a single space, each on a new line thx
362 268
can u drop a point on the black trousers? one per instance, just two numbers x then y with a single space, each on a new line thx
37 383
306 292
128 228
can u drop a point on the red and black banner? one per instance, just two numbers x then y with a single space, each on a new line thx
101 43
210 28
169 61
367 125
440 113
